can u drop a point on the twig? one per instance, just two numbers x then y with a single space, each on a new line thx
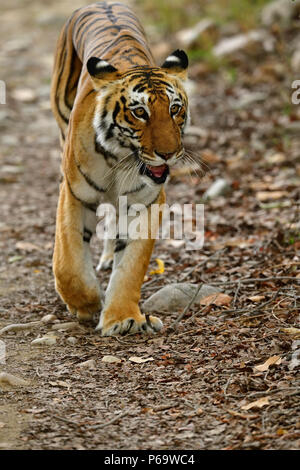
65 420
227 385
112 421
199 265
174 324
259 279
255 309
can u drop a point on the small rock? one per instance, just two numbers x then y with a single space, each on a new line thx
282 11
50 318
72 340
187 37
197 131
220 187
26 95
66 326
10 379
241 42
247 99
111 359
176 296
90 364
47 340
10 141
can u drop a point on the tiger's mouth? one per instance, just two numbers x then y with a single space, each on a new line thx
158 174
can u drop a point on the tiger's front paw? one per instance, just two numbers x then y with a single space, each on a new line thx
113 323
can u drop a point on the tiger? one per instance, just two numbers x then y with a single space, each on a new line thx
122 120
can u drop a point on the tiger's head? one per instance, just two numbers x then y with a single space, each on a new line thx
142 113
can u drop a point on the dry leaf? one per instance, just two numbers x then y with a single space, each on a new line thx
216 299
27 246
60 383
2 425
269 362
292 331
161 267
111 359
270 195
256 404
140 360
240 242
256 298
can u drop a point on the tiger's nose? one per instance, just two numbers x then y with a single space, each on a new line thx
164 156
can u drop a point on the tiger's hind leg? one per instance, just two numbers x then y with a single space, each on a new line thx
75 279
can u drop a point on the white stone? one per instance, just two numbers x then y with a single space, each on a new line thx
176 296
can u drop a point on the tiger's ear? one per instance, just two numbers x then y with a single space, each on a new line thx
177 64
101 71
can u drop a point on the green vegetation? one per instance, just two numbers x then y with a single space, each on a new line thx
170 16
166 17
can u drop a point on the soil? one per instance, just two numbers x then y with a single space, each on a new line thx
200 375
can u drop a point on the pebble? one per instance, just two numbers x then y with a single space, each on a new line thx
66 326
176 296
47 340
90 364
72 340
220 187
10 379
111 359
50 318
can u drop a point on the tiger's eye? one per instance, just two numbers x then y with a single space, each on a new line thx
175 108
139 112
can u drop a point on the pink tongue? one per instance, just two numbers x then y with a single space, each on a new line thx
157 170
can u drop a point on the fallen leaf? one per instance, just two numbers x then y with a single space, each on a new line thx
60 383
256 298
269 362
27 246
2 425
256 404
241 415
267 195
161 267
292 331
240 242
140 360
216 299
111 359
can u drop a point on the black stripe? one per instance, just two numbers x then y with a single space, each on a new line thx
116 111
120 245
89 180
106 154
139 188
88 205
87 235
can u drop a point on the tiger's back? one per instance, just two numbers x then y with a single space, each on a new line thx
107 30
